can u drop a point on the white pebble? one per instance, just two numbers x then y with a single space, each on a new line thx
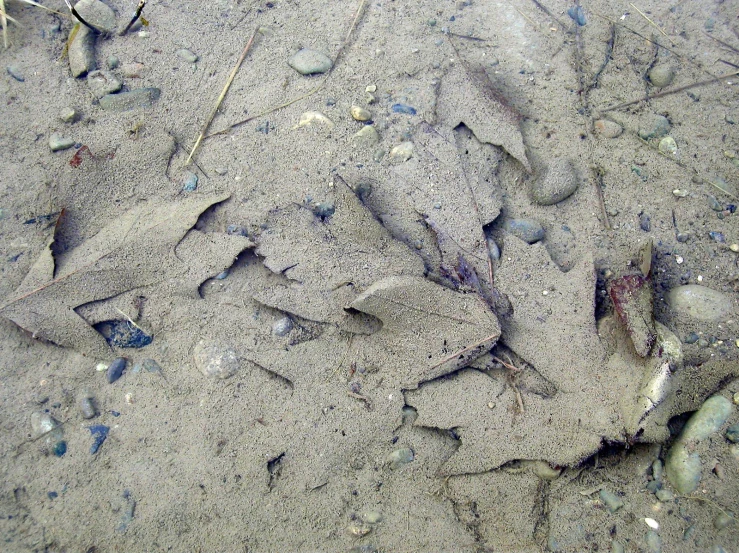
652 523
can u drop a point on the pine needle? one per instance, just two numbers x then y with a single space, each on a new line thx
230 79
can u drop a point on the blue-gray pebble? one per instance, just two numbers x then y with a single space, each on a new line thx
309 62
527 230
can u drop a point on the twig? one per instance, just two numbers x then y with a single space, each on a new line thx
652 23
668 92
222 95
366 400
135 17
463 351
527 18
601 200
508 365
79 17
549 13
729 46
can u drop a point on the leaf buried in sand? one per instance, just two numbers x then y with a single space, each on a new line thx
467 96
428 330
139 248
633 300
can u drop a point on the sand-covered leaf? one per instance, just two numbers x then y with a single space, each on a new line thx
147 245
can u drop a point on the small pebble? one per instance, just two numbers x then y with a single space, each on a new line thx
616 547
404 109
607 128
309 62
654 126
57 142
115 369
133 70
734 247
665 495
723 520
15 72
236 230
700 302
661 75
216 360
399 458
186 55
311 117
667 145
654 542
68 115
87 405
528 230
366 136
371 517
402 152
683 237
125 101
282 327
732 433
123 334
99 434
409 415
612 502
717 236
645 222
557 183
102 83
189 182
324 209
714 204
691 338
112 62
42 423
360 114
679 193
81 52
97 14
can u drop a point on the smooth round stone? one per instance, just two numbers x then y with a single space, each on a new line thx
612 502
309 62
723 520
661 75
42 423
282 327
699 302
654 126
527 230
81 52
732 433
58 142
215 360
399 458
558 182
372 517
668 145
360 114
607 128
68 115
125 101
708 419
97 14
186 55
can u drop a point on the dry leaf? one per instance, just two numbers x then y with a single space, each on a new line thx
144 246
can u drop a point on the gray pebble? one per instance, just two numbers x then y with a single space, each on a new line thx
187 55
113 62
558 182
399 458
115 370
68 115
102 82
645 222
58 142
97 14
654 542
493 249
700 302
616 547
81 52
607 128
661 75
612 502
124 101
189 182
87 405
665 495
657 470
654 126
282 327
148 365
371 517
216 360
723 520
15 72
309 62
527 230
667 145
732 433
367 136
714 204
409 415
42 423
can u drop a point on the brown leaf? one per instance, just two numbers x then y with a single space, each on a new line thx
139 248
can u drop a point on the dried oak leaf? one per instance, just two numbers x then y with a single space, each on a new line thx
150 244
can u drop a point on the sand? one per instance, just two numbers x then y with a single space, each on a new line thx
360 298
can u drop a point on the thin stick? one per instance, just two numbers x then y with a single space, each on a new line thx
79 18
668 92
652 23
4 21
213 113
527 18
463 351
139 9
729 46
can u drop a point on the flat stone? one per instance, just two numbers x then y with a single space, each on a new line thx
216 360
360 114
366 136
96 14
124 101
558 182
81 52
186 55
68 115
58 142
661 75
402 152
528 230
15 72
700 302
309 62
102 83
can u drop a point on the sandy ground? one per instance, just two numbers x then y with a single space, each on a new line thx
365 409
